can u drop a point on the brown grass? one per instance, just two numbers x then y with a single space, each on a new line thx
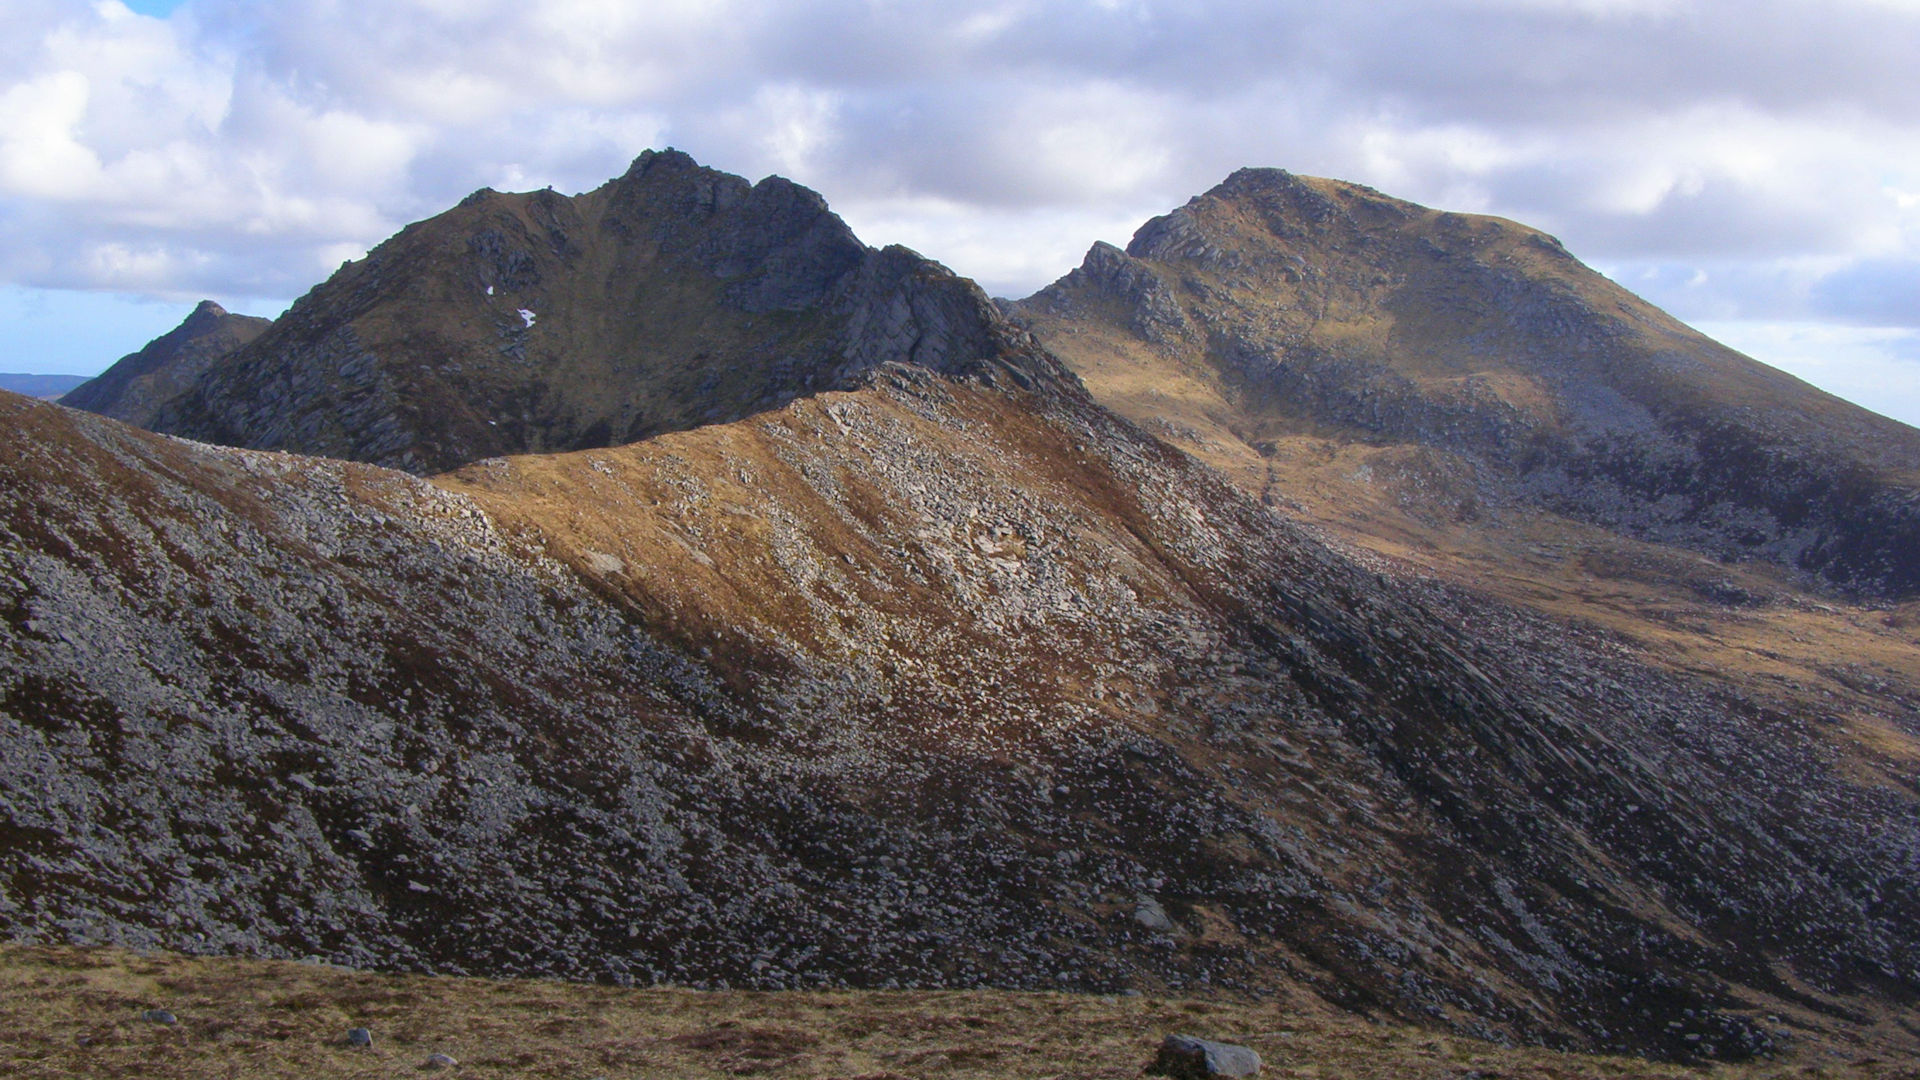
69 1012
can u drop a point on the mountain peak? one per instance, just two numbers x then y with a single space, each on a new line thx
1309 306
667 160
1267 184
135 387
1260 178
1252 208
672 297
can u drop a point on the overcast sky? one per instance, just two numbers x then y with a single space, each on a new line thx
1752 165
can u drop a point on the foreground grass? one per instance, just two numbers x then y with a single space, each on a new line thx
78 1012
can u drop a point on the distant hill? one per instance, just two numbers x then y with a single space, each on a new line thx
39 386
1279 320
135 387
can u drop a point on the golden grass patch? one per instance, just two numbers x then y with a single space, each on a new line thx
70 1012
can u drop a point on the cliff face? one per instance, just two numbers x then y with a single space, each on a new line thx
671 297
137 385
1276 307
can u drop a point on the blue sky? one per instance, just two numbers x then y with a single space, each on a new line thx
1752 166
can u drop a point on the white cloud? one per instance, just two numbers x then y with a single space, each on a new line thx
962 236
41 155
151 267
792 124
1595 8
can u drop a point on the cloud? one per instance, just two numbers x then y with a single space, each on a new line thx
1872 292
41 155
1741 159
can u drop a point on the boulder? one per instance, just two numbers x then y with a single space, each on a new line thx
1185 1057
1148 913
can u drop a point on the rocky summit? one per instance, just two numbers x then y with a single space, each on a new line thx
914 667
135 387
1278 319
671 297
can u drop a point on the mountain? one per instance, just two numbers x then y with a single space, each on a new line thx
1281 325
40 386
671 297
135 387
936 674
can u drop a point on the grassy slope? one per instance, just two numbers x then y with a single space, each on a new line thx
76 1012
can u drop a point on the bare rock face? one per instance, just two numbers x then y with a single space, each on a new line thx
1297 307
671 297
135 387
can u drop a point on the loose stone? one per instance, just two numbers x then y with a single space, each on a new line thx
1184 1057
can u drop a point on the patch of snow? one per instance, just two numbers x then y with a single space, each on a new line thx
489 290
527 315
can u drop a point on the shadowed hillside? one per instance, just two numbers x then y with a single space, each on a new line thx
671 297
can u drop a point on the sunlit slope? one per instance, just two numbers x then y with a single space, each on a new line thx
1277 319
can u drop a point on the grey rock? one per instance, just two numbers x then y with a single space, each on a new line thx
159 1016
442 1061
1148 913
359 1037
1185 1057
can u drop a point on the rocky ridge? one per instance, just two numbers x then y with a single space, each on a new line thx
138 384
950 678
670 297
1279 311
